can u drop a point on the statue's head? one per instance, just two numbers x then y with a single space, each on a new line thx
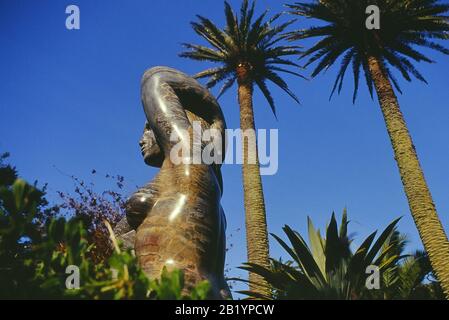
151 152
172 101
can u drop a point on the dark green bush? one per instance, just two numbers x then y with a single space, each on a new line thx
38 250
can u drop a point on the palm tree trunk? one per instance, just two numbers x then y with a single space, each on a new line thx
419 198
256 223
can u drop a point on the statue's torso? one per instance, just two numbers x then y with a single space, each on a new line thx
180 224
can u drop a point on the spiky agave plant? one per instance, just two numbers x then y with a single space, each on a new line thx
248 51
404 26
326 267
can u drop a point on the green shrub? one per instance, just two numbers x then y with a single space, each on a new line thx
36 254
328 268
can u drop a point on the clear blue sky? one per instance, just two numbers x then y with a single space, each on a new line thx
70 100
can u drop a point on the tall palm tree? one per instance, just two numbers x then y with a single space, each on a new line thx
248 52
404 25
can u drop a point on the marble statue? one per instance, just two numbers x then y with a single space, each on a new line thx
176 220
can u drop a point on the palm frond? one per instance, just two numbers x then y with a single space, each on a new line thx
405 26
249 40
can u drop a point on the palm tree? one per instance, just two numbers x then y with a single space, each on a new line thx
405 25
247 51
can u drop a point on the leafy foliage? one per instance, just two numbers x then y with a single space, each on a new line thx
34 257
411 278
405 25
252 43
327 268
93 208
170 287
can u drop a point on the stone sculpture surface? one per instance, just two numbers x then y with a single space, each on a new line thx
176 220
